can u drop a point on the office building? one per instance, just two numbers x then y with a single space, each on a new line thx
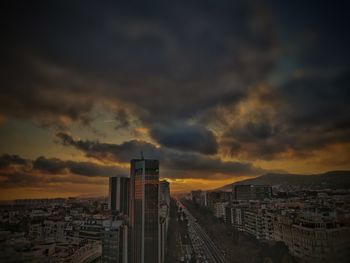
144 211
118 201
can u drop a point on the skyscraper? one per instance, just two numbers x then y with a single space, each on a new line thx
144 214
115 239
118 201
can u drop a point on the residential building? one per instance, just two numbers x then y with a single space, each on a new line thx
115 241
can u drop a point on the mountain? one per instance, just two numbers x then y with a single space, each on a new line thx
328 180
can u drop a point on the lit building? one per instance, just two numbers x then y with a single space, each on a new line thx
144 211
118 201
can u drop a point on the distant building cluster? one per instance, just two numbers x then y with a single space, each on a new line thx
131 225
313 225
52 230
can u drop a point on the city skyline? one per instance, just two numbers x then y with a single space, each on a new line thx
217 91
274 218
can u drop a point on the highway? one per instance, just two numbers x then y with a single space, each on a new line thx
204 247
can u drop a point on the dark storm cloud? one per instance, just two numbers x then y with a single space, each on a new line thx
20 172
254 131
121 152
8 160
316 39
35 88
186 138
55 166
168 61
91 169
52 165
306 107
195 165
174 62
311 112
176 164
317 100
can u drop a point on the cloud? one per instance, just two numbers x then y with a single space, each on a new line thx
16 171
176 164
8 160
122 119
317 99
104 151
52 165
189 73
15 179
308 113
57 166
166 62
52 95
186 138
91 169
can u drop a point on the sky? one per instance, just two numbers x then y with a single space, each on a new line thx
218 91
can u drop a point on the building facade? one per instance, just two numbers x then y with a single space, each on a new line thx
115 242
144 214
118 201
252 192
312 240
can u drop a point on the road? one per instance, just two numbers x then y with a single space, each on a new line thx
204 247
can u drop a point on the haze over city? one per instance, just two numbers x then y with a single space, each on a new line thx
217 91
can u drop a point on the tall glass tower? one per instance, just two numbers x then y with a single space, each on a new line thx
144 211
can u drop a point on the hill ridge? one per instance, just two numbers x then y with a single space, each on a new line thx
338 179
